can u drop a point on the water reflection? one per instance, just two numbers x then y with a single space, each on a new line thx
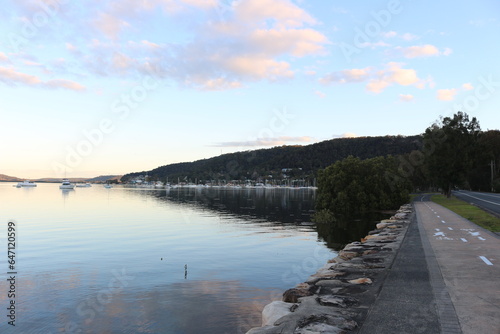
279 206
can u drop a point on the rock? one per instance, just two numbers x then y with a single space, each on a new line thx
370 251
346 255
293 295
343 302
382 225
332 283
364 280
322 324
400 215
274 311
318 328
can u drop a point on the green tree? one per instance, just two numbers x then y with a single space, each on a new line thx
454 141
354 185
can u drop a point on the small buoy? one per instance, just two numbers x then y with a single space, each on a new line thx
161 259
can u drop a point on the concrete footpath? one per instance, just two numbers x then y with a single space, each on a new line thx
468 258
444 279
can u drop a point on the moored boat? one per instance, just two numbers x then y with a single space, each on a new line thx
83 185
66 184
26 184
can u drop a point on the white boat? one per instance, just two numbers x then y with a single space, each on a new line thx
66 184
159 184
83 185
108 186
26 184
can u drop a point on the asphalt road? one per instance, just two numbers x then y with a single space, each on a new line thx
488 201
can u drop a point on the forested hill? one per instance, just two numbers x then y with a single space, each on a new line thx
264 164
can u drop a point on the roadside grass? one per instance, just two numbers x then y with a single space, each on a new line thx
470 212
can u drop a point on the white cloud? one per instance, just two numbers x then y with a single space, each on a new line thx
406 97
298 42
263 142
258 68
214 84
12 77
482 22
467 86
346 135
409 37
406 36
374 45
253 41
426 50
389 34
110 25
347 76
66 84
446 94
320 94
377 80
283 13
3 57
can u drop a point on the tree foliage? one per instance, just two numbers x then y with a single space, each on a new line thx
455 142
355 185
259 164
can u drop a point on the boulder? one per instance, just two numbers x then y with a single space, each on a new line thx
293 295
274 311
363 280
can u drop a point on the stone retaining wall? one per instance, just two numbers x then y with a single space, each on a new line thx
336 299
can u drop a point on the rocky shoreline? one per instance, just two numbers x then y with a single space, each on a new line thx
336 299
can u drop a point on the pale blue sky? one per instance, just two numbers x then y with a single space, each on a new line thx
109 87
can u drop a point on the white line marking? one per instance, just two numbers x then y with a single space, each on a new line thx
442 221
474 234
481 238
439 234
463 239
481 199
450 228
485 260
437 229
438 217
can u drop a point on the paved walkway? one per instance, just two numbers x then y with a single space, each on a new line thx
406 302
469 260
444 279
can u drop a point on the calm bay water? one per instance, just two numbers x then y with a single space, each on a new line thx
125 260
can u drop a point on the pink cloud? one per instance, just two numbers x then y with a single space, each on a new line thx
13 77
427 50
446 94
406 97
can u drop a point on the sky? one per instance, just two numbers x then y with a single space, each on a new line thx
102 87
